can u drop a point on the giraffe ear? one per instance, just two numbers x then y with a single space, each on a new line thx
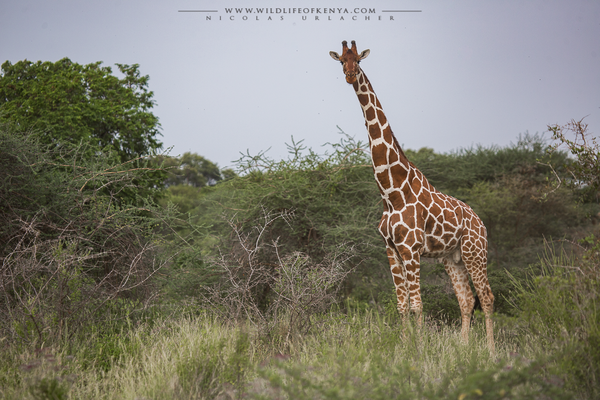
334 55
364 54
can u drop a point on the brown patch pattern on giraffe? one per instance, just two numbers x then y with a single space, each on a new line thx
419 221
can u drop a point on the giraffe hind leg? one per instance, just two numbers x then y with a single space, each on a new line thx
486 299
477 268
460 282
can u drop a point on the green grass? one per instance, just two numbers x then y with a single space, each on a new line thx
349 356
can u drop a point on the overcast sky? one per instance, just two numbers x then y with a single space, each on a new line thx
455 74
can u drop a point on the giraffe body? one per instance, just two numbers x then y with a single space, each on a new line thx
418 220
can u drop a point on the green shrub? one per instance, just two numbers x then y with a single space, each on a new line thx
72 246
334 199
560 307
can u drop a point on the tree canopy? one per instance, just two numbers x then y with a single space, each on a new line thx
190 169
66 102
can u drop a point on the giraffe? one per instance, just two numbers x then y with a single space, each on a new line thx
419 221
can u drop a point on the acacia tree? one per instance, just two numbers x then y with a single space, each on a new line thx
186 175
190 169
584 146
66 102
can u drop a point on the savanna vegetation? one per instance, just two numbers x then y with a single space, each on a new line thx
131 274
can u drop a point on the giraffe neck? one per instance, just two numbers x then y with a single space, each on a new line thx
390 165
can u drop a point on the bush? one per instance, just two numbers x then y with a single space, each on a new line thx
72 248
277 291
332 197
461 169
335 199
560 307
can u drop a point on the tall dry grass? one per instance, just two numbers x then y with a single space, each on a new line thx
361 354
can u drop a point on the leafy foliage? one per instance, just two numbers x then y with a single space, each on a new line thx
71 103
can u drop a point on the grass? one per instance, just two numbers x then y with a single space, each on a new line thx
357 355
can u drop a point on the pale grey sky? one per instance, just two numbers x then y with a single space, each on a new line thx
456 74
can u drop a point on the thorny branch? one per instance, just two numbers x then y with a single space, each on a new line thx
584 146
261 285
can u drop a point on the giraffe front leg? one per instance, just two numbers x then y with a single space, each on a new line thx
412 266
399 276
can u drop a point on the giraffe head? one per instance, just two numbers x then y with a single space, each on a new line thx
350 59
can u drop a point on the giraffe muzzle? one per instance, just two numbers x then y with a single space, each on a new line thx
350 77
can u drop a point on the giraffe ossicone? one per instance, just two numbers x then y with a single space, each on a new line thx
418 220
